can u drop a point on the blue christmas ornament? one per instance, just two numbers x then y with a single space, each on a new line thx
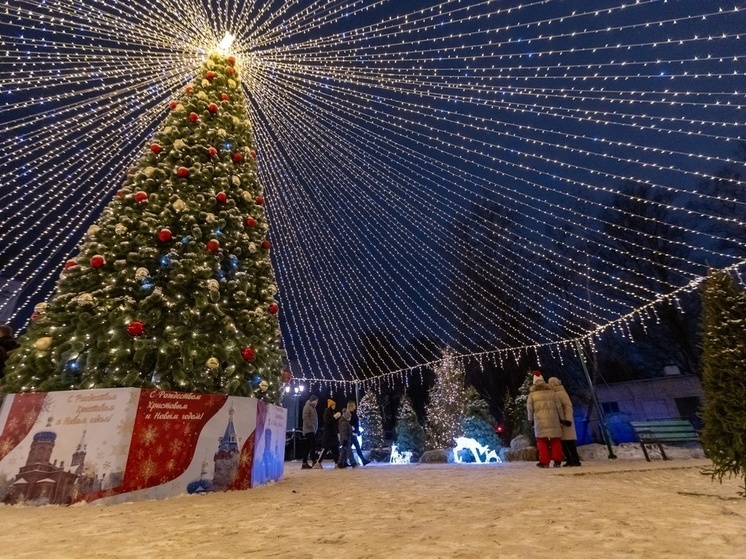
257 379
220 274
165 261
233 261
184 240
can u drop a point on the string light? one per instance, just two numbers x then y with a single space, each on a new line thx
427 171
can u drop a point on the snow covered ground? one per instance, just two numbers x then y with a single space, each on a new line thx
626 508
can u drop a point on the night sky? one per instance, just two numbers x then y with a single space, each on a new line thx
497 176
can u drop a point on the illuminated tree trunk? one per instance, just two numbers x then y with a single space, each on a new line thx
173 286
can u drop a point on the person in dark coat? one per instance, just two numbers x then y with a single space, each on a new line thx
568 429
330 434
345 440
355 424
310 426
545 416
7 344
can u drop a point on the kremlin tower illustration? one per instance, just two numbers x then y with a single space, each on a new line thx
226 461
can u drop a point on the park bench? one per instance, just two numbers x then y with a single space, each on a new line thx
658 432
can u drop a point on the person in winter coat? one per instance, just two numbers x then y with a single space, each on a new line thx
544 415
310 426
568 429
330 434
355 423
345 439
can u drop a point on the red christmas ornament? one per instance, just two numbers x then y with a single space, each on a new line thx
141 196
229 70
250 222
34 315
212 152
273 308
213 107
172 105
194 117
266 244
248 353
164 235
221 197
213 245
232 60
97 261
120 193
260 200
155 148
286 376
71 263
237 157
182 172
189 88
136 328
210 75
224 97
253 154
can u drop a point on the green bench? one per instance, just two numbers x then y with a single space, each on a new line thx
658 432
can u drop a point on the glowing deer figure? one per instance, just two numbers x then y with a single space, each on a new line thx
399 458
464 443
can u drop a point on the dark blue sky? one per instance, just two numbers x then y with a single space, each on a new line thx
432 169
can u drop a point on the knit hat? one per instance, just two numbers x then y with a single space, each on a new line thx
537 376
554 381
347 415
330 403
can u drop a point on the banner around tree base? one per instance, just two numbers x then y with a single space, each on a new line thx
129 444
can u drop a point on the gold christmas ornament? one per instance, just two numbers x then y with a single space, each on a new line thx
43 344
213 285
93 229
41 307
141 273
85 299
263 386
212 363
120 229
178 205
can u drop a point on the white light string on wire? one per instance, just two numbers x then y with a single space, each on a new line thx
525 108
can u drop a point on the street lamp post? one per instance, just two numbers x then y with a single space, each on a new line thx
297 393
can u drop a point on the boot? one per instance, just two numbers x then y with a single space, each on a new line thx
306 466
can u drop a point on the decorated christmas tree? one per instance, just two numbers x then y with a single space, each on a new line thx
410 436
724 375
447 405
479 424
172 287
371 423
